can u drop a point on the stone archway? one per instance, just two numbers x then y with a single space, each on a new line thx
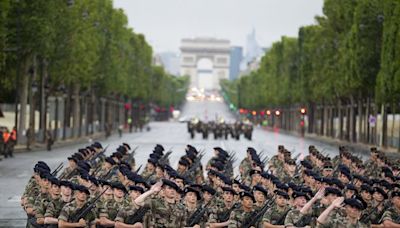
193 51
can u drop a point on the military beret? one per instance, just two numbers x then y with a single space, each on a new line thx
118 155
282 186
110 160
152 161
337 182
306 164
54 181
282 193
381 191
191 189
347 174
104 182
140 180
356 202
84 165
351 187
292 185
309 173
245 187
72 158
136 188
228 189
84 175
97 145
67 184
396 194
266 175
118 185
290 162
43 165
45 175
333 191
155 156
159 147
235 181
171 184
81 188
122 150
184 162
206 188
127 145
385 184
328 166
261 189
300 194
281 147
93 180
251 150
367 188
254 171
248 194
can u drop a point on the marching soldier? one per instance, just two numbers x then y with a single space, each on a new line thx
243 214
220 212
130 216
275 216
53 210
166 210
67 217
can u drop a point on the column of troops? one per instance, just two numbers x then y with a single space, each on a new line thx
96 190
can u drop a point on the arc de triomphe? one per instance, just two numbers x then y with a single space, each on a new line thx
216 51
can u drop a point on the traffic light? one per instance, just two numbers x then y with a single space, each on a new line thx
303 111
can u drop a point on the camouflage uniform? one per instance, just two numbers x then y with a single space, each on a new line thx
342 221
31 188
165 214
392 214
273 215
54 208
218 211
110 208
190 212
68 211
245 165
238 217
292 217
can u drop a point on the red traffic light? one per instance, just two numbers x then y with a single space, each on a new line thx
303 111
277 113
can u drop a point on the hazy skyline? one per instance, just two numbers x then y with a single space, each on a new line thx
166 22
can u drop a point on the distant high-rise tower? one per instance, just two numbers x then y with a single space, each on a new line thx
253 49
236 59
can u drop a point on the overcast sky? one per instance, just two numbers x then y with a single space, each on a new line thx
166 22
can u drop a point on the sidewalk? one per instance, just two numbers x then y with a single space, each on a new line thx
60 143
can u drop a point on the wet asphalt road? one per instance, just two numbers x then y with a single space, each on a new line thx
15 172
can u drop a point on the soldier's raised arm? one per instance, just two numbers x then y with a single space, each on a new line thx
154 189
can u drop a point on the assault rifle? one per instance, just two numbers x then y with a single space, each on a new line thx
195 165
164 159
33 222
305 220
110 172
138 169
131 155
281 220
137 216
59 167
223 217
92 161
82 212
255 217
196 217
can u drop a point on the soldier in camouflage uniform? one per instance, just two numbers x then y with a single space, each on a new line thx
353 208
260 195
275 216
54 207
294 215
106 168
245 164
391 217
71 169
220 212
123 217
54 195
276 162
166 211
110 208
34 201
68 211
192 203
150 169
244 213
